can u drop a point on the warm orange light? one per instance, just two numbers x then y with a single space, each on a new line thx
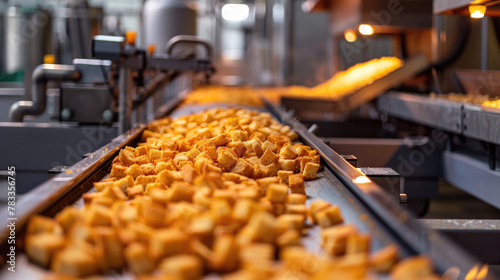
151 49
361 180
366 29
130 37
477 11
477 273
350 35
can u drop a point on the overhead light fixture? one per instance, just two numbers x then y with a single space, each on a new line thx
235 12
477 11
350 35
366 29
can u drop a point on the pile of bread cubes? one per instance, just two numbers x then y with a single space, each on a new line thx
214 193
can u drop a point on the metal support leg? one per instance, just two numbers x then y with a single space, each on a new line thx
125 100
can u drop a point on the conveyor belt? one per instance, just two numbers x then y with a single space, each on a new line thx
365 205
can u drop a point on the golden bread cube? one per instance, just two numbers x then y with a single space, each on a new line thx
415 267
299 209
115 192
310 171
118 171
109 246
152 186
181 191
277 193
287 164
283 175
104 200
288 152
183 146
188 173
202 228
288 238
40 224
42 247
268 157
143 233
221 212
168 242
148 169
69 216
225 254
153 214
242 167
358 244
278 208
334 239
239 135
296 198
303 161
125 183
99 215
134 170
260 228
99 186
243 210
253 193
186 267
221 140
265 182
154 154
329 216
255 255
141 150
75 263
193 153
270 170
134 191
160 196
126 157
290 221
227 159
267 145
167 177
384 259
315 207
142 160
137 259
168 154
238 147
296 183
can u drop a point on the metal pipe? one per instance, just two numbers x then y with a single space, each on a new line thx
39 78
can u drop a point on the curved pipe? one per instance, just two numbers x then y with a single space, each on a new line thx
188 39
41 75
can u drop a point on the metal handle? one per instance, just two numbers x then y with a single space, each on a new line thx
188 39
41 75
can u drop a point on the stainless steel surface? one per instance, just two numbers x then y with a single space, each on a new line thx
439 113
190 40
34 148
41 75
481 125
86 103
321 108
124 99
479 237
472 174
164 19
